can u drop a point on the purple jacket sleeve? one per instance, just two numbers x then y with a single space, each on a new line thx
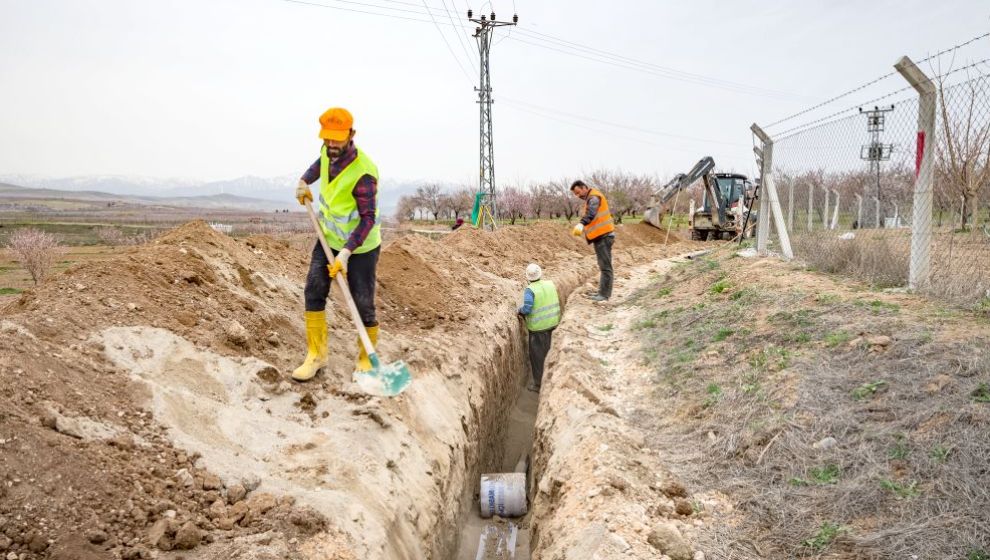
312 174
366 195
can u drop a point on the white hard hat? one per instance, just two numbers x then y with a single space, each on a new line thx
533 272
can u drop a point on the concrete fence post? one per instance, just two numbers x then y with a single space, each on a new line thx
790 206
835 212
769 188
921 219
825 211
811 205
859 212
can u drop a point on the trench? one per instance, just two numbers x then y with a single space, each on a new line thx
515 413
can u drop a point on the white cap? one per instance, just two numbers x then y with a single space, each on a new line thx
533 272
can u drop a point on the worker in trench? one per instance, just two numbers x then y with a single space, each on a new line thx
598 229
541 310
348 216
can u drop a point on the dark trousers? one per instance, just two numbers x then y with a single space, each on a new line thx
360 277
603 251
539 347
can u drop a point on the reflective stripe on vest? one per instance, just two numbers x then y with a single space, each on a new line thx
338 208
546 306
602 224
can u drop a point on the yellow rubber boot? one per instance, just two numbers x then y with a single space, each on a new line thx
316 346
363 363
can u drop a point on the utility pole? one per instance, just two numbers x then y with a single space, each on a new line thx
486 176
875 151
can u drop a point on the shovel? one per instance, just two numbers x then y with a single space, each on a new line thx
386 380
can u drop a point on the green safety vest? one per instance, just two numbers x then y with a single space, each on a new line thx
546 306
338 209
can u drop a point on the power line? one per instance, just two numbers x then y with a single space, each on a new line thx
646 70
460 40
567 47
617 125
445 42
874 81
809 125
672 72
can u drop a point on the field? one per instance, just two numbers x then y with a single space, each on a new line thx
717 405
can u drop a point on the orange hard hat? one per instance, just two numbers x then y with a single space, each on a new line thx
336 124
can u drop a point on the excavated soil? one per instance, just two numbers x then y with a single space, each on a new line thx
145 412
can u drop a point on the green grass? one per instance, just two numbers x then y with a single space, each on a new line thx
606 328
982 393
977 554
646 324
714 393
829 474
903 491
822 476
867 390
719 287
900 449
877 306
826 298
664 292
722 334
835 338
824 537
940 454
10 291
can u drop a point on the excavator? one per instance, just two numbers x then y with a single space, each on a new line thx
726 203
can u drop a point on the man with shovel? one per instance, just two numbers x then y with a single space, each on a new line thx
348 220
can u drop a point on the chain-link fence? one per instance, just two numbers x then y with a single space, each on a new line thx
846 186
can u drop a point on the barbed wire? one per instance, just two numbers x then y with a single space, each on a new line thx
875 81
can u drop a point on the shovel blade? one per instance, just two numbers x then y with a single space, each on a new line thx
386 380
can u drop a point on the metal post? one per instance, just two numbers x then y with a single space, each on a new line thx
770 194
486 170
921 220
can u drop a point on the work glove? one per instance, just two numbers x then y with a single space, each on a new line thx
578 229
302 193
340 263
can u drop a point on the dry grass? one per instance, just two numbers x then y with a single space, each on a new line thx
960 261
907 474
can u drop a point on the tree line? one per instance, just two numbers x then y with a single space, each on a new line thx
628 195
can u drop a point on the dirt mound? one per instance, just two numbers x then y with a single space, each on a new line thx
112 372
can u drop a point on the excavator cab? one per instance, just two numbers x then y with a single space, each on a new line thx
725 205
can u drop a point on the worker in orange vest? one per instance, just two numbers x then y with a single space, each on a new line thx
598 229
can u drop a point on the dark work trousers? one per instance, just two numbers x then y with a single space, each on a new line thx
360 277
603 250
539 346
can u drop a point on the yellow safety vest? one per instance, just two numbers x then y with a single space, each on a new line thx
546 306
338 208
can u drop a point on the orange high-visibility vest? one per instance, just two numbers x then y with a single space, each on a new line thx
602 224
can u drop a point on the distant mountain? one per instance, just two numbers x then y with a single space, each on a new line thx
272 189
213 202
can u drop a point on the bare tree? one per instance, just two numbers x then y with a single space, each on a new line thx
514 204
565 203
37 251
963 146
431 198
541 199
406 209
460 202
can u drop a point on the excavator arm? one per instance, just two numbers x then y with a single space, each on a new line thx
658 205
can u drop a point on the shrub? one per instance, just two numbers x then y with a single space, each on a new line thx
36 250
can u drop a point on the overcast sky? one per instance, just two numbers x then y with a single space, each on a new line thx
213 89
